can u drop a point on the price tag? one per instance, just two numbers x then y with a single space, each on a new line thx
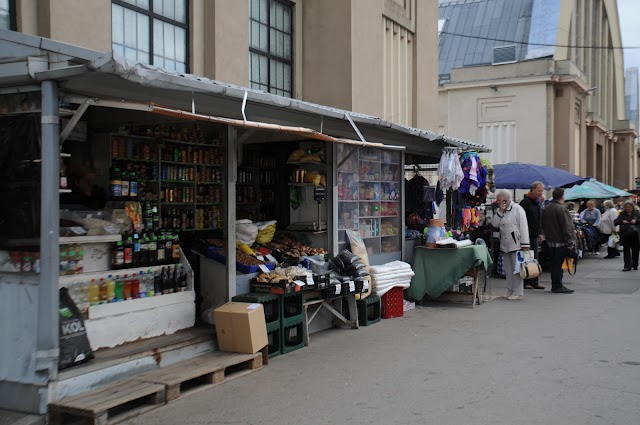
366 285
352 286
253 306
259 257
338 288
271 258
111 230
299 282
264 268
78 230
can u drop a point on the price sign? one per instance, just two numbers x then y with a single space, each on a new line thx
264 268
352 286
299 282
260 257
271 258
338 288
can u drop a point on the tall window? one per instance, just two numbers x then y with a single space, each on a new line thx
151 31
7 14
271 46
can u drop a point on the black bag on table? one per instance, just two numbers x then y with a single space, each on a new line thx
74 344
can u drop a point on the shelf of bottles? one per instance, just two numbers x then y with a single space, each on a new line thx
369 198
177 169
255 189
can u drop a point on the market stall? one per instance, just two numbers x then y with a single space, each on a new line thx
177 174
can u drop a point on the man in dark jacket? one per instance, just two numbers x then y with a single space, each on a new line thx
560 235
531 206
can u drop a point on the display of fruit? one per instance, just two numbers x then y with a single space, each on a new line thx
247 260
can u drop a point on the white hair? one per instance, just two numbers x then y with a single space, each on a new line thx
503 193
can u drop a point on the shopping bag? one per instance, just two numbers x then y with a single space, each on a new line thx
613 241
529 267
569 264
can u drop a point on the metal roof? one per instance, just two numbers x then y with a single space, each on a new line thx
108 75
472 29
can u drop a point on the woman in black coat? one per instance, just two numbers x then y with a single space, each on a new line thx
629 222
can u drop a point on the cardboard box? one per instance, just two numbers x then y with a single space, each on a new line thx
240 327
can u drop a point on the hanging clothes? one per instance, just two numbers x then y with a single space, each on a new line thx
449 170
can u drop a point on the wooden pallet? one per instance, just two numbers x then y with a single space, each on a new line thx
110 404
202 372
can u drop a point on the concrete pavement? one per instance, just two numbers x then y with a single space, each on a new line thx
549 359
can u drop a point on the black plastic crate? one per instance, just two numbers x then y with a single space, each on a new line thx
274 340
292 337
291 305
270 303
322 280
369 310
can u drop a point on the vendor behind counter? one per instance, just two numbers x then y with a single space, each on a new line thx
84 191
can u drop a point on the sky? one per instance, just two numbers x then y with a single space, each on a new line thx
629 12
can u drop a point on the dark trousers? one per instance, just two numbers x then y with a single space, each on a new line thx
557 256
533 244
631 251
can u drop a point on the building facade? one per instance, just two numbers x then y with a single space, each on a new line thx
373 57
539 82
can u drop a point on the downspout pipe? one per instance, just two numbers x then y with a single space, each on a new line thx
47 345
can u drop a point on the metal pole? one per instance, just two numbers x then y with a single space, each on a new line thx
231 168
48 299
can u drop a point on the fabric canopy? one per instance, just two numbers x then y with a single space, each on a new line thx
515 175
593 189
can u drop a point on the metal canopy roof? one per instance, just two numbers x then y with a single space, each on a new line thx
26 59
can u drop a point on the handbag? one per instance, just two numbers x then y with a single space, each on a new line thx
530 267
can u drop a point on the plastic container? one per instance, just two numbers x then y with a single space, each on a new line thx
392 303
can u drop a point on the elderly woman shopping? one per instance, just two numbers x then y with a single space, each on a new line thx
607 227
629 222
511 220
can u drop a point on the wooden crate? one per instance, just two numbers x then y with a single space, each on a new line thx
110 404
202 372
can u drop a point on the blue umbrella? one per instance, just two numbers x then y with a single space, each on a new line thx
515 175
593 189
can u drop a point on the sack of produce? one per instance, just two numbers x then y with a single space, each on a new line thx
313 177
296 155
74 344
246 232
266 231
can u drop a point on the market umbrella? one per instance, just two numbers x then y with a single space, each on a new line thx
515 175
593 189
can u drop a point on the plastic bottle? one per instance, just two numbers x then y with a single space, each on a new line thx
135 286
119 295
152 246
126 287
111 289
150 283
157 283
166 285
125 186
102 287
94 293
117 256
116 183
175 280
144 250
133 186
128 252
161 254
136 250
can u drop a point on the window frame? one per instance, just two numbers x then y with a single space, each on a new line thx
268 54
152 15
13 23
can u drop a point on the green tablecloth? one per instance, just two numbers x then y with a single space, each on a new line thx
437 269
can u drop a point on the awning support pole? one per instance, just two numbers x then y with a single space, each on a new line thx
47 352
355 127
229 214
73 121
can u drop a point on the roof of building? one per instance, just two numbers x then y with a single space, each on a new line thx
108 75
471 29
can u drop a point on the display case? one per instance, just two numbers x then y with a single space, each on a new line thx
369 187
180 168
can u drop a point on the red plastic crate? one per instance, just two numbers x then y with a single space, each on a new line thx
393 303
